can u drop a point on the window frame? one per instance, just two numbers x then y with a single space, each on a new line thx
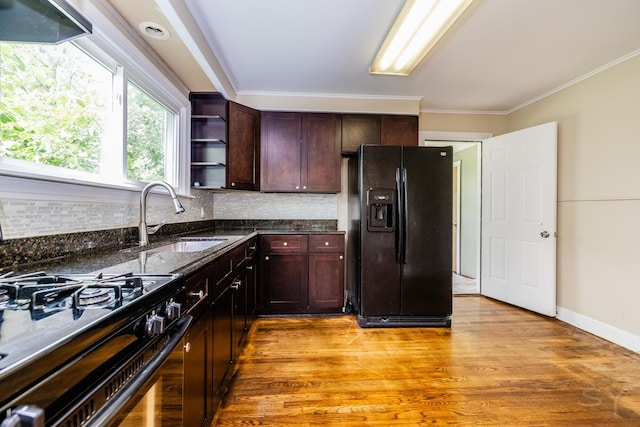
127 55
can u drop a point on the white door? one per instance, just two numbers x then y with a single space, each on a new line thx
519 218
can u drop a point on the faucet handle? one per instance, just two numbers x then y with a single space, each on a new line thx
152 230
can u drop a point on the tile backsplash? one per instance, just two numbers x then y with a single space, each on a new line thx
245 205
22 217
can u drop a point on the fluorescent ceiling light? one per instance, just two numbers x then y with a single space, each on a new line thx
417 29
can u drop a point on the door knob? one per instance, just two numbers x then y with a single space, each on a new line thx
544 234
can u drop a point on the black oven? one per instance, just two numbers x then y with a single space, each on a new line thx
92 351
153 396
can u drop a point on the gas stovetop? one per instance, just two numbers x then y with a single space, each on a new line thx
39 310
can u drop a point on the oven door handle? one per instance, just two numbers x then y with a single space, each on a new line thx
108 412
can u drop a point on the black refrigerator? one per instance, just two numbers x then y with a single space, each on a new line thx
400 236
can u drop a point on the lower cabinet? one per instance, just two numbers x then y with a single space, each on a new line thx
219 297
302 274
197 347
221 316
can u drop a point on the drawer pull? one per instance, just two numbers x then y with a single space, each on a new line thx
326 243
199 294
285 244
266 258
341 257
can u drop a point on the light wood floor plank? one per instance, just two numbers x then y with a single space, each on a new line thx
496 366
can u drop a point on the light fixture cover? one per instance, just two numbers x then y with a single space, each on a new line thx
418 27
153 30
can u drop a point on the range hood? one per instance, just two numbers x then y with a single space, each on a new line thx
40 21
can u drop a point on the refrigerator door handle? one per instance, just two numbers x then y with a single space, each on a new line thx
405 215
399 215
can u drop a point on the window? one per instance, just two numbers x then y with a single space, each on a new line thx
149 129
61 115
55 103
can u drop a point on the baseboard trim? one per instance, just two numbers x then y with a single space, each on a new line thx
600 329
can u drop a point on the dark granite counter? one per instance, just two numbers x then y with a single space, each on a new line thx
115 251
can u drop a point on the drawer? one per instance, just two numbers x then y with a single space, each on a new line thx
252 247
284 243
238 256
223 268
196 289
326 243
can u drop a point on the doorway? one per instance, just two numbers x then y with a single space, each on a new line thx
466 222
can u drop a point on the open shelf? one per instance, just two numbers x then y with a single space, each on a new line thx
208 135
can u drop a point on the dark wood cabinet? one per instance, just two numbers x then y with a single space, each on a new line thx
280 152
221 316
243 148
376 129
326 273
358 129
208 140
284 273
300 152
252 289
197 404
219 297
196 409
225 143
302 274
399 130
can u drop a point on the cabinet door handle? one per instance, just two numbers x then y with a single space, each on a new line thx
341 257
187 347
235 285
249 267
266 258
199 294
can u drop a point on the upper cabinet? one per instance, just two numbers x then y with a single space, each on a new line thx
358 129
375 129
399 130
208 140
243 148
236 147
300 152
225 143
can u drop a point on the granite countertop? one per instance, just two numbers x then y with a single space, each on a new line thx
159 257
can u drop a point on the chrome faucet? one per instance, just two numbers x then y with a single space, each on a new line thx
144 231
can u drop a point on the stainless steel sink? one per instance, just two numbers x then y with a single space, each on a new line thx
189 245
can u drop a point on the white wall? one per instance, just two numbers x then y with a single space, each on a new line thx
598 197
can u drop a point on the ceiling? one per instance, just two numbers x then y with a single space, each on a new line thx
500 55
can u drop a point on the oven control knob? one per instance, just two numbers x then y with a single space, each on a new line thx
173 310
154 325
26 415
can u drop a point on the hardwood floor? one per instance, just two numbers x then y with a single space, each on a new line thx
496 366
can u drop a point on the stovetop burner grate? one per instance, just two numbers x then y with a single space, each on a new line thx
37 291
